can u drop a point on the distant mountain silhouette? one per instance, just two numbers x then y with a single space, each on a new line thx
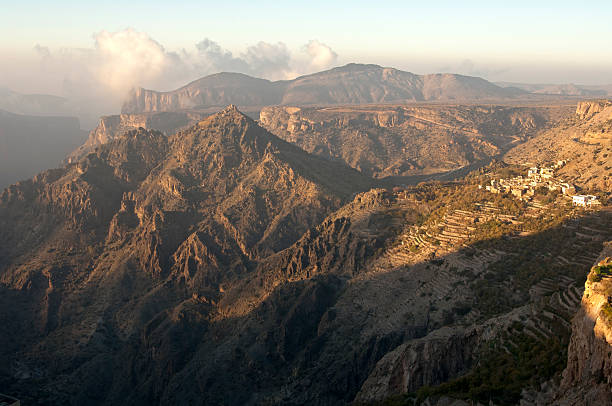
349 84
33 104
567 89
30 144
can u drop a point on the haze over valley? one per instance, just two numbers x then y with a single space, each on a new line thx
330 205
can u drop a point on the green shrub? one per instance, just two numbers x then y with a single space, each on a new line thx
606 313
599 272
501 376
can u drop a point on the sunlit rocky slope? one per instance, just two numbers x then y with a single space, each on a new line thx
584 140
222 265
408 140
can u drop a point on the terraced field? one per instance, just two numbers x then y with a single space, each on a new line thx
510 272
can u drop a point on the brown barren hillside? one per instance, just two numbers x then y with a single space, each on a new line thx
148 227
225 266
349 84
583 140
407 140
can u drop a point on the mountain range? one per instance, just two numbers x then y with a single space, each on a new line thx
210 202
33 104
334 246
222 264
569 89
395 141
349 84
378 140
111 127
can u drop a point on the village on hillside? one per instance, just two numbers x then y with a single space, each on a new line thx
541 178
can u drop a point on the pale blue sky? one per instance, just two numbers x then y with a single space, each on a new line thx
529 41
341 23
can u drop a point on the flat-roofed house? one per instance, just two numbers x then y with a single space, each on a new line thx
584 200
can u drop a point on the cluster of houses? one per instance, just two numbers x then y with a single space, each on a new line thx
537 178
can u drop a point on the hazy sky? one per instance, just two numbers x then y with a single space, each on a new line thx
64 47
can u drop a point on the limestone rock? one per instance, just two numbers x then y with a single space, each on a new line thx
588 376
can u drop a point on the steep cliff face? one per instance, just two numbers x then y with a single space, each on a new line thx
215 90
588 109
433 359
110 127
106 256
350 84
408 140
587 379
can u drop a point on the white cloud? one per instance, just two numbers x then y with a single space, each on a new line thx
268 60
321 55
121 60
211 57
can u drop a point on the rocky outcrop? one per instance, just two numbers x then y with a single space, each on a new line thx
111 127
128 251
404 140
431 360
587 380
350 84
215 90
587 109
439 357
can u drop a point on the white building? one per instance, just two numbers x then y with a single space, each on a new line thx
584 200
533 171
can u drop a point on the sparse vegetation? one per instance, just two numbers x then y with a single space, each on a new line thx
501 376
599 272
606 313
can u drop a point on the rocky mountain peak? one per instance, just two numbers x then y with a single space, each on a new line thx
230 127
358 67
230 109
229 114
